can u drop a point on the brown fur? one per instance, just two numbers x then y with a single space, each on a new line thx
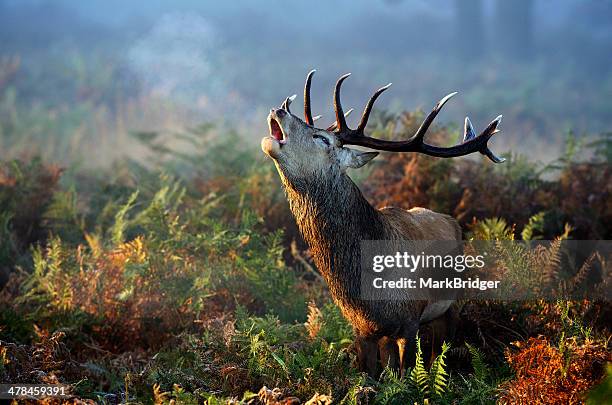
421 224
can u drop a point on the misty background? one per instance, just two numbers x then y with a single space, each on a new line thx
76 78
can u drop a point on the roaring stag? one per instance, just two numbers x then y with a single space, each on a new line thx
333 217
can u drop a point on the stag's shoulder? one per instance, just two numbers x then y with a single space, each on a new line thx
420 223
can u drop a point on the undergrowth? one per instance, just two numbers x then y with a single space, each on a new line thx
175 282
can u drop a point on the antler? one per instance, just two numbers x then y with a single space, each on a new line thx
307 111
285 105
471 143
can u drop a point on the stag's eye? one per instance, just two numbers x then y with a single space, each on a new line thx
322 138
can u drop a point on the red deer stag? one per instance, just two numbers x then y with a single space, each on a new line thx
333 217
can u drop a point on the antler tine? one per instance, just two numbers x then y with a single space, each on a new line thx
307 110
287 103
489 131
420 133
333 126
340 121
468 130
368 108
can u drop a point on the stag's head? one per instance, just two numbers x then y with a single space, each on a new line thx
301 150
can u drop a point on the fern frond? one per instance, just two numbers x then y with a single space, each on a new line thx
535 224
419 375
481 370
438 376
552 264
584 270
118 229
492 229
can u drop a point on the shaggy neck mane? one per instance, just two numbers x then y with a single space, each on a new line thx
333 217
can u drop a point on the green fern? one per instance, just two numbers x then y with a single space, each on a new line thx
492 229
393 388
434 381
63 217
117 231
335 328
438 376
481 370
419 375
535 224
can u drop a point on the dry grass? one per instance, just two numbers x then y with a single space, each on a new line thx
546 374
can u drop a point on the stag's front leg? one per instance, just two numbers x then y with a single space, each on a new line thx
441 330
406 345
367 354
389 354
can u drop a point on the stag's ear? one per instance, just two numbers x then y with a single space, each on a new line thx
355 158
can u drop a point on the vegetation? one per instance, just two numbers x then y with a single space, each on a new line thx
163 266
178 281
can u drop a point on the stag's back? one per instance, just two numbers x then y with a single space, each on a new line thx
419 224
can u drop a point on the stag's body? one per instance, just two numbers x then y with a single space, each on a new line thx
334 217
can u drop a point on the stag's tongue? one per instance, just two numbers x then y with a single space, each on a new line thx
275 130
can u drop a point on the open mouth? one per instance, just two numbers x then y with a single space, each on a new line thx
276 132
